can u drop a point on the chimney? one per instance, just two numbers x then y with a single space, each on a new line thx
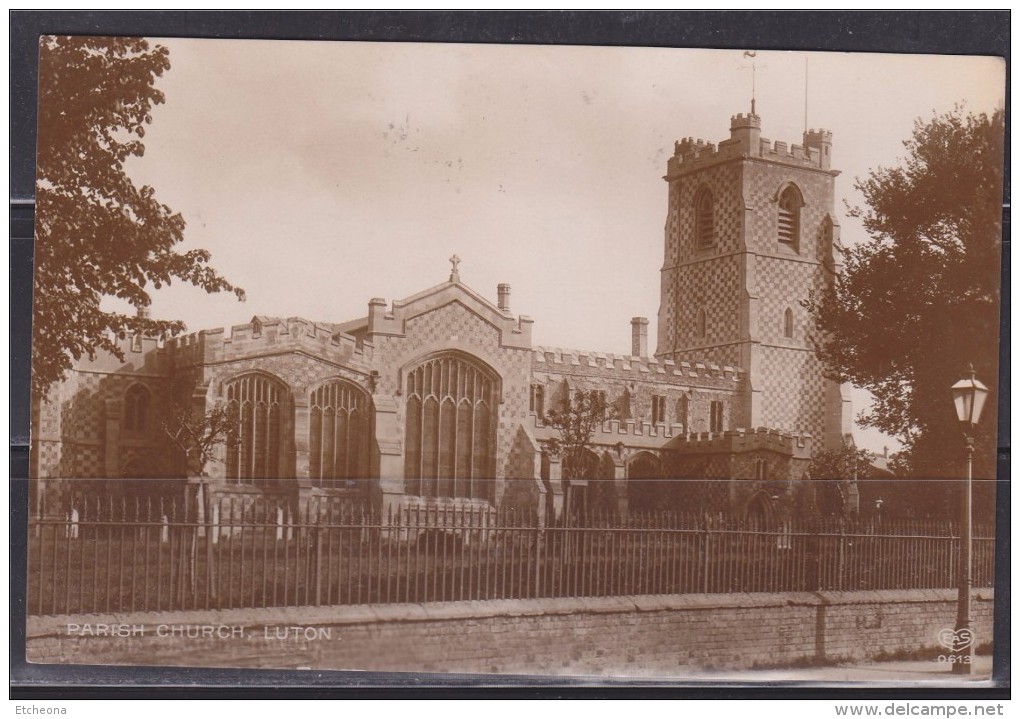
503 293
639 337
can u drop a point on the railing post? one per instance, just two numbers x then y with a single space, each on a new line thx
706 558
317 566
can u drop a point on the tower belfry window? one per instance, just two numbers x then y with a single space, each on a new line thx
704 221
789 217
788 323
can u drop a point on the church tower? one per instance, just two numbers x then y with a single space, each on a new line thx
750 233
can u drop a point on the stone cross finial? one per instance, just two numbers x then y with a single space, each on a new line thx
454 275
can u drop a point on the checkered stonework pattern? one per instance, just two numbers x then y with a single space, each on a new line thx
763 183
794 390
300 373
454 326
711 286
783 284
746 293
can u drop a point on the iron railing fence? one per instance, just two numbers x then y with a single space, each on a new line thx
247 553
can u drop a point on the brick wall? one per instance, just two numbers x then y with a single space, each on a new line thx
648 636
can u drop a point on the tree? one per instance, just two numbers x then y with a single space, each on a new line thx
576 422
834 472
197 436
97 234
919 301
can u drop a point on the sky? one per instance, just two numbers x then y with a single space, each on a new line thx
320 175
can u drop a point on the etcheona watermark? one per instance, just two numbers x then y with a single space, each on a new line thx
955 640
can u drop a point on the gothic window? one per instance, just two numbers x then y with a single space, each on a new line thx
537 401
760 470
450 448
704 219
716 417
600 402
790 203
137 403
788 323
337 435
658 408
701 322
683 411
256 402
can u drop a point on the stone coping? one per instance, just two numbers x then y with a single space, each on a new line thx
346 615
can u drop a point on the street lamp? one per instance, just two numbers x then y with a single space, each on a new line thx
969 396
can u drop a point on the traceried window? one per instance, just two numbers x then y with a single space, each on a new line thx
658 408
537 401
704 218
256 402
790 203
788 323
715 417
450 447
337 435
137 405
683 411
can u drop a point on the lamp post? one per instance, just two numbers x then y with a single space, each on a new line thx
969 396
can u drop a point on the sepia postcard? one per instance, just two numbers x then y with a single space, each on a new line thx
536 361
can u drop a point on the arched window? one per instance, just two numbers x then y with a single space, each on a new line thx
450 448
790 203
137 404
704 220
337 435
701 323
788 323
256 402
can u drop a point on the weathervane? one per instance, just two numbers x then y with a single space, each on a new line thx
454 275
752 54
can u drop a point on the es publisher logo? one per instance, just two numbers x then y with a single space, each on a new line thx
956 639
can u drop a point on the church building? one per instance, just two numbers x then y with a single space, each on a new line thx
441 399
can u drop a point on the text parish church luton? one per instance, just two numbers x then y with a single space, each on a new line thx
437 400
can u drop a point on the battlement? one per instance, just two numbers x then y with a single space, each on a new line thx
795 444
267 334
746 142
555 359
638 434
741 120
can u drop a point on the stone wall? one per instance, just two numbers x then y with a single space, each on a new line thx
644 636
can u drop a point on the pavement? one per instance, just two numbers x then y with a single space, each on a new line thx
877 673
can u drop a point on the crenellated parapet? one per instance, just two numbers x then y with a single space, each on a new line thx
616 367
796 445
265 336
746 142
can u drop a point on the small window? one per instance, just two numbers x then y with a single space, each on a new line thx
790 203
716 417
761 470
683 411
702 324
537 401
704 220
136 409
788 323
658 409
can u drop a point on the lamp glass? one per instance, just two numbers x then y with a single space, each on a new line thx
969 396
